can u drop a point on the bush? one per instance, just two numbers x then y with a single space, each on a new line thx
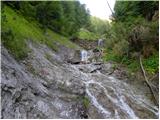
151 64
87 35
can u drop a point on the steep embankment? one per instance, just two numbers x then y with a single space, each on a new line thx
16 31
40 88
44 85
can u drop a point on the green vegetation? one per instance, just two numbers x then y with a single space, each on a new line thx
86 102
64 17
98 26
134 32
151 64
16 30
95 30
87 35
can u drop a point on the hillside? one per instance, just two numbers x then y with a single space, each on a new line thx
58 61
17 30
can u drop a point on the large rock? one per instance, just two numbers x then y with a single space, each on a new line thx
36 88
76 58
44 86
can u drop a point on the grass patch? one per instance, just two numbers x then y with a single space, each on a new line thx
132 65
16 30
85 101
109 56
87 35
151 64
60 39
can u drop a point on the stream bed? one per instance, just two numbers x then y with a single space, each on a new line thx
44 86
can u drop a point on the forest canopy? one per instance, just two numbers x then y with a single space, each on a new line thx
65 17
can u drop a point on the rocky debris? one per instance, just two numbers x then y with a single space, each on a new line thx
88 68
107 68
86 44
65 54
45 86
31 95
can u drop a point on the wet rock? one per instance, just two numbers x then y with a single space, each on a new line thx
67 54
86 44
51 88
30 95
106 68
76 58
88 68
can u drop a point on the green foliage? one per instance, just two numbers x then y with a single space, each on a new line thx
17 47
110 56
16 30
94 30
48 14
98 26
133 32
86 35
125 9
117 39
151 64
132 65
121 47
86 102
64 17
114 66
75 17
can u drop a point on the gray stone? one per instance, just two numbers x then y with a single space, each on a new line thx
48 87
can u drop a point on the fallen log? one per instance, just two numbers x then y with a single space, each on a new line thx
146 79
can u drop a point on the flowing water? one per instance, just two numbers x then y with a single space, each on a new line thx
113 98
84 55
100 42
42 88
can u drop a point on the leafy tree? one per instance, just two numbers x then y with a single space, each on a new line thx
125 9
99 26
65 17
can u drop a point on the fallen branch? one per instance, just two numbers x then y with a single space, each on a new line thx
144 74
156 75
111 72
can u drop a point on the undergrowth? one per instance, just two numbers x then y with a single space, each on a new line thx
151 64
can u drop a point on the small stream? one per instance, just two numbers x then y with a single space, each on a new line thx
114 98
122 97
51 91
